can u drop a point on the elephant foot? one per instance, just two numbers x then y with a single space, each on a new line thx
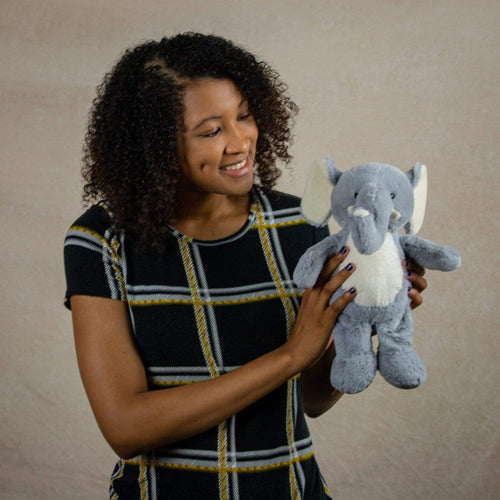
354 373
402 369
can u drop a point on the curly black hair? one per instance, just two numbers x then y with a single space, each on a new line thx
129 150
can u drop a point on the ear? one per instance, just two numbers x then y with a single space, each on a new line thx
315 203
418 179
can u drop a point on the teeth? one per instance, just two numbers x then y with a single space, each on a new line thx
239 165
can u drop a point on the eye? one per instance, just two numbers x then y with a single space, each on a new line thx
213 133
355 195
245 116
393 195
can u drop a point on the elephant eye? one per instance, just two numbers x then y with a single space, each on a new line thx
393 195
355 195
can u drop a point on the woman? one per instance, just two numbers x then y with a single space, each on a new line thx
188 331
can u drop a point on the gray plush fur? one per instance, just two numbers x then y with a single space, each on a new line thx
372 202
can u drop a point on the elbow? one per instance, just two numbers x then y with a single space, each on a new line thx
127 444
124 450
124 446
129 438
314 409
123 437
313 412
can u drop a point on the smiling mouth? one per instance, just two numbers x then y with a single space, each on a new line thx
236 166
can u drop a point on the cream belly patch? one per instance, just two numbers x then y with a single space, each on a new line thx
378 277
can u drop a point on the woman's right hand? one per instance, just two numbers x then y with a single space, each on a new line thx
316 318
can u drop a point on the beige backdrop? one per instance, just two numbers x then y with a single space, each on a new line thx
393 81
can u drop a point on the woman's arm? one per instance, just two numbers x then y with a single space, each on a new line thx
133 419
318 395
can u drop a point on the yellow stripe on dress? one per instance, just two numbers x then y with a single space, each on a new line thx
198 308
223 476
219 469
202 326
115 256
290 317
289 427
275 225
143 480
231 302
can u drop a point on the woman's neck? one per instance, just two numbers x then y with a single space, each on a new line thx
210 216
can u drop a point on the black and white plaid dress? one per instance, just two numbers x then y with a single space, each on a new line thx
200 310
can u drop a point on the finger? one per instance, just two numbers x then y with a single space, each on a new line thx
330 267
417 281
338 305
334 284
413 267
415 298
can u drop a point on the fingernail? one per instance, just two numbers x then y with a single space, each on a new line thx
409 288
343 250
406 262
352 291
348 267
408 273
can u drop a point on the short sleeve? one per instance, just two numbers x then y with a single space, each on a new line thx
94 258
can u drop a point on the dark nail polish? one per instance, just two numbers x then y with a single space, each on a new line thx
408 273
406 262
343 250
409 288
352 290
348 267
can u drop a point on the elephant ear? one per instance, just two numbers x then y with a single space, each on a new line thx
315 203
418 179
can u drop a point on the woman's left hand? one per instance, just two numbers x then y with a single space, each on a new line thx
415 275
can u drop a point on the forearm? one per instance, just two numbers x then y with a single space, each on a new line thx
150 419
318 395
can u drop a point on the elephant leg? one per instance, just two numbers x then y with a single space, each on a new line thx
398 363
355 363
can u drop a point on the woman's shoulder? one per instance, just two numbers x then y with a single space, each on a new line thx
280 200
96 219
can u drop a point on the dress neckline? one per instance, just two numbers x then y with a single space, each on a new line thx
227 239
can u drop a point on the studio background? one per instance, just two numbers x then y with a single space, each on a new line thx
391 81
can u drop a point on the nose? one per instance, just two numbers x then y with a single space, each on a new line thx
237 140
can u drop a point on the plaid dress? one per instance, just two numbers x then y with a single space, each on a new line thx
200 310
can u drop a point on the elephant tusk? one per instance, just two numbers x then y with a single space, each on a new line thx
395 215
360 212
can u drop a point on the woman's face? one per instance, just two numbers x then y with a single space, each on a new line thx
216 149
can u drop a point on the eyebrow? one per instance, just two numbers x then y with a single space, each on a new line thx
215 117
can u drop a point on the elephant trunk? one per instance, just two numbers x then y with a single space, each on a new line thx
369 218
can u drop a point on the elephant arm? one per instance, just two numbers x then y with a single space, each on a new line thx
311 263
429 254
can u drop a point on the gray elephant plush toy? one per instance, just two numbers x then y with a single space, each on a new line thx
372 202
